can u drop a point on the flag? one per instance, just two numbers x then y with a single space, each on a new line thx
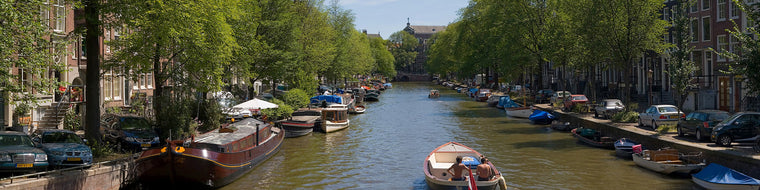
471 184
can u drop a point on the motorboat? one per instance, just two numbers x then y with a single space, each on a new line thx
624 147
434 94
301 122
593 138
334 118
716 176
442 158
358 109
519 112
540 117
667 161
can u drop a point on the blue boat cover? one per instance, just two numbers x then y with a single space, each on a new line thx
473 90
327 98
471 162
388 84
506 102
716 173
539 115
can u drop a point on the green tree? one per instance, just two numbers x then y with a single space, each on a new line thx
28 43
383 57
316 47
680 67
403 47
184 44
746 61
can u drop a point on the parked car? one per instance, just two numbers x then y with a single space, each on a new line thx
129 133
18 153
741 127
542 96
608 107
558 97
63 147
700 123
483 94
657 115
575 99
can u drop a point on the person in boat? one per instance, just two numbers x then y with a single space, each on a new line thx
484 170
458 170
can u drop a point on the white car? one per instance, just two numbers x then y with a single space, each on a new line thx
559 97
657 115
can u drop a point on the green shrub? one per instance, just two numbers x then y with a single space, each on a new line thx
100 150
72 121
282 111
632 107
296 98
626 117
662 129
579 108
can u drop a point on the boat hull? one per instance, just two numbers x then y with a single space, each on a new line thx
666 168
296 130
452 185
442 158
590 142
520 112
178 166
329 127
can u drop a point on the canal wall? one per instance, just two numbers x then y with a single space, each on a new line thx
106 175
742 161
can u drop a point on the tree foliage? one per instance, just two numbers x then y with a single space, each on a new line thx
403 47
680 67
383 58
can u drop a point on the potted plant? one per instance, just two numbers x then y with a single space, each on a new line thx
21 116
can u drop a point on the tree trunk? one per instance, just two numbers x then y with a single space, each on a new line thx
92 122
158 92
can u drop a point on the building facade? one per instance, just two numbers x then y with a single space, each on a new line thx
416 71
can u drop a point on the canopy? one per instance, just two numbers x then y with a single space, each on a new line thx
256 104
716 173
506 102
541 117
327 98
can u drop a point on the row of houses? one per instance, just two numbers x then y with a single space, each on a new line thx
714 89
117 91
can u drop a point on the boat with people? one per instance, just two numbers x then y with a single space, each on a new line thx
624 147
301 122
434 94
438 162
334 118
212 159
716 176
593 138
667 161
540 117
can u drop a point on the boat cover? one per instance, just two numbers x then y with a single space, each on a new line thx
471 162
506 102
473 90
716 173
388 85
327 98
539 116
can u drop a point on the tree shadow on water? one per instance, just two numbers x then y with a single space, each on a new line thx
560 144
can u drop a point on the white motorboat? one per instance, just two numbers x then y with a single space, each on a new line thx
445 156
519 112
334 118
668 161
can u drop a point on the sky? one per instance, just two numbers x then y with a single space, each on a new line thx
388 16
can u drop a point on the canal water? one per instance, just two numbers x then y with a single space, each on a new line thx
385 147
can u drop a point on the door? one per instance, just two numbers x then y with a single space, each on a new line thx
646 117
744 127
723 93
688 123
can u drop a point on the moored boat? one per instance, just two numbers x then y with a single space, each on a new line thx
593 138
519 112
443 157
669 161
716 176
434 94
372 95
212 159
624 147
301 122
358 109
561 126
540 117
334 118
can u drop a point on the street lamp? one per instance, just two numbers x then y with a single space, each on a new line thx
649 77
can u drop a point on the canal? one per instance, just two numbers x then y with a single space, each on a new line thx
384 148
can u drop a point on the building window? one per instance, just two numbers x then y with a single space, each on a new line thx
705 28
694 30
705 4
666 14
722 45
721 11
149 80
734 43
45 14
142 81
107 38
60 16
83 50
708 64
116 88
694 7
734 11
107 85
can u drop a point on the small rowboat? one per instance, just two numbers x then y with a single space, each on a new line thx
624 147
716 176
519 112
593 138
358 109
668 161
444 157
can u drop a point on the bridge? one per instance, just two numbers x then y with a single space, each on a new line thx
405 76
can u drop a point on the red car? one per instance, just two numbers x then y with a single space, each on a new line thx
575 99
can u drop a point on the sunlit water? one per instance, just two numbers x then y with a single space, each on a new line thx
385 147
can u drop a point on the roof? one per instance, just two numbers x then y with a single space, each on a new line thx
374 36
420 29
244 129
